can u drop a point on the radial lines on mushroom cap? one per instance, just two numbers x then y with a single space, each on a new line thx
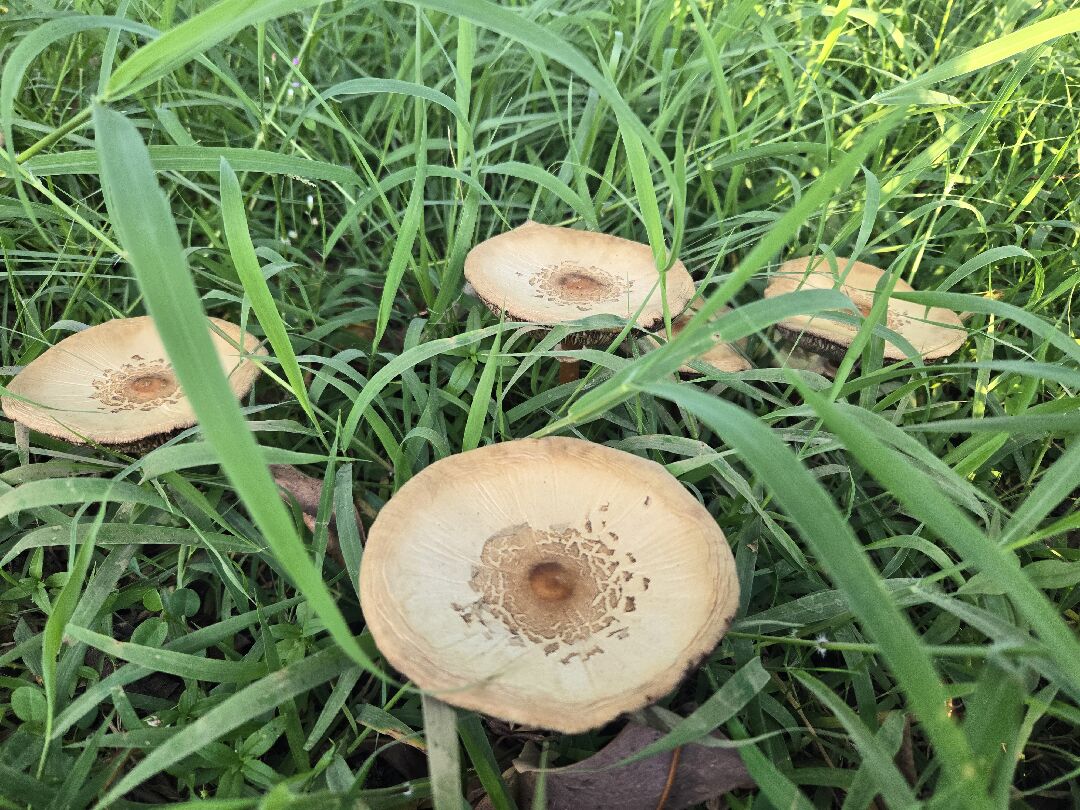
113 384
553 582
547 274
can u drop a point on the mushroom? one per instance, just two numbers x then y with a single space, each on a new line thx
112 384
934 332
721 356
549 275
549 582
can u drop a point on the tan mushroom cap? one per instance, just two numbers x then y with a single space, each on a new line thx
113 384
722 356
547 274
550 582
934 332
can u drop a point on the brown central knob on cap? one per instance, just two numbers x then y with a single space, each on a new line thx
551 582
579 284
151 386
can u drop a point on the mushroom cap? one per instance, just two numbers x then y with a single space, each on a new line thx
550 582
934 332
547 274
722 356
113 383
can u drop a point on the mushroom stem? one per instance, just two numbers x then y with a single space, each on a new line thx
993 295
569 371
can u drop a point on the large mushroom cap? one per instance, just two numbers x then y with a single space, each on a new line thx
547 274
721 356
113 384
550 582
934 332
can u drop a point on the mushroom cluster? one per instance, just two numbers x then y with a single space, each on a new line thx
550 582
112 384
553 275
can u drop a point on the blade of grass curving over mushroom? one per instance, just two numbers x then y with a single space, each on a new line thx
833 543
141 216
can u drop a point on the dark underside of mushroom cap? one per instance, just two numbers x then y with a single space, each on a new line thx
133 448
589 338
141 446
831 350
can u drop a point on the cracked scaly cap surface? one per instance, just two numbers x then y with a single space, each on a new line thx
113 384
551 582
547 274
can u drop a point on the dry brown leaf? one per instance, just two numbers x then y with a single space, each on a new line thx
307 492
699 774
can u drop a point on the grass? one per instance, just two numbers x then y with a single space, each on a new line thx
906 537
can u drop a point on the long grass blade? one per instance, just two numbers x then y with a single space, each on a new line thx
141 216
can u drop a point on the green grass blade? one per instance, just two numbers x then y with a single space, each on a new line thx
475 740
58 491
182 665
251 701
141 216
403 246
190 39
191 643
1055 486
926 502
725 703
840 554
894 790
777 789
63 608
444 759
1005 47
481 400
190 159
262 301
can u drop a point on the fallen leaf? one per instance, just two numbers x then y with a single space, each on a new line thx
700 773
306 491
